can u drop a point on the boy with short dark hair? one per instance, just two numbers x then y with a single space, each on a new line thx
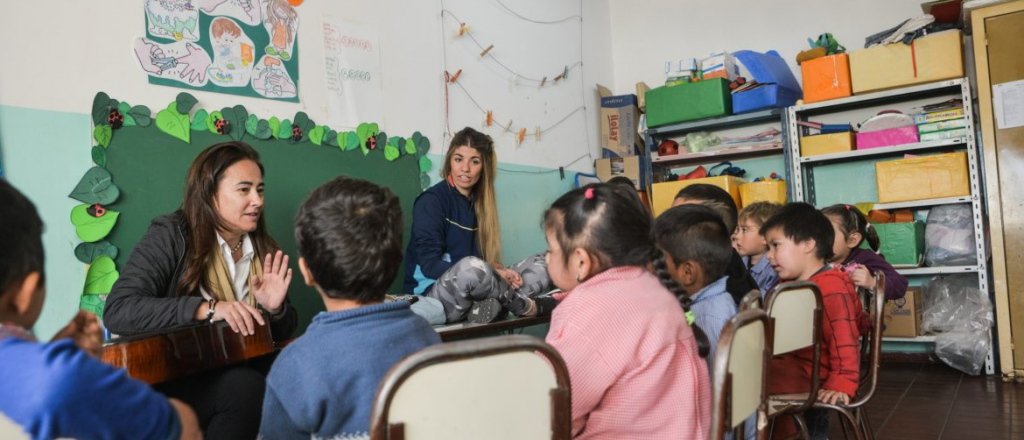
751 245
799 246
349 237
57 389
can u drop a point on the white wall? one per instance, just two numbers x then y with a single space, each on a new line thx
645 34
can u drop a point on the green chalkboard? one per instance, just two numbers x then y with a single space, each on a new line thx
149 167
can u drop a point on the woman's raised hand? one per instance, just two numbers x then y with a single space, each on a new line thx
273 288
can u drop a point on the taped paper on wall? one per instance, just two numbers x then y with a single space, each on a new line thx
1008 104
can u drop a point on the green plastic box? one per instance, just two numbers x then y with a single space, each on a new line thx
688 102
902 243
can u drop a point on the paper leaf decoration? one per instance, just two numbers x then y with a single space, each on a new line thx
89 252
422 143
251 124
184 102
263 130
425 164
174 123
89 228
365 131
141 115
99 156
100 109
93 304
211 121
96 186
199 120
410 146
316 135
125 110
391 152
101 276
275 125
285 130
351 141
424 181
236 116
102 134
305 124
331 138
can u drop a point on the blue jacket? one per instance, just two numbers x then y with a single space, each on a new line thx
443 232
322 385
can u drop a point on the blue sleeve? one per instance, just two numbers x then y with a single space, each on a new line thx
276 422
428 234
72 395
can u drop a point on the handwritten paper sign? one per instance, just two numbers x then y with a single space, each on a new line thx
352 63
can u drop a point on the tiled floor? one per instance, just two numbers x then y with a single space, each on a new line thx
932 401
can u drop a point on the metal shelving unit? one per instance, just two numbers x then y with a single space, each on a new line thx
803 169
653 136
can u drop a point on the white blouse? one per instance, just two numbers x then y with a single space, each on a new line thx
239 271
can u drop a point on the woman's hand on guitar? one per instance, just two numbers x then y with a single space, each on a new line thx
85 330
273 288
239 315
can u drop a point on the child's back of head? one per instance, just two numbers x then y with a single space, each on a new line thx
21 232
349 236
711 196
695 233
799 239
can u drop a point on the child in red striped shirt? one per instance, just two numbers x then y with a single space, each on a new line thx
799 248
634 362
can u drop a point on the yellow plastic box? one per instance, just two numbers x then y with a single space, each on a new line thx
827 143
774 192
664 193
933 58
920 178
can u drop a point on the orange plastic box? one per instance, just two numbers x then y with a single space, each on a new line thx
826 78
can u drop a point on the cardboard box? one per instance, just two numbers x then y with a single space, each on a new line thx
887 137
902 317
688 102
827 143
663 194
826 78
620 118
771 191
901 243
630 167
926 177
779 88
720 65
933 58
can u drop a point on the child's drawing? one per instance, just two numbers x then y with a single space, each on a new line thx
180 61
232 54
271 80
246 11
173 19
282 22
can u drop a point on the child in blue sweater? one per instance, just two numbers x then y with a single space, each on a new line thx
349 237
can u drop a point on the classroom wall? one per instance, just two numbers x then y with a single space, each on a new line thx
47 87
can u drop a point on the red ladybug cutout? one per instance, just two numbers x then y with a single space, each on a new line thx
96 210
222 126
371 143
116 119
296 133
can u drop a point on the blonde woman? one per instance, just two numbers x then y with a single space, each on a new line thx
453 257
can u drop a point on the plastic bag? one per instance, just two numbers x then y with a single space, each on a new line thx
949 236
702 140
967 345
939 301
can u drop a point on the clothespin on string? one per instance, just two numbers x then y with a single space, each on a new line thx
484 53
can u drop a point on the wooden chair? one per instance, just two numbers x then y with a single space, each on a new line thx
11 430
854 416
505 387
752 301
741 375
795 311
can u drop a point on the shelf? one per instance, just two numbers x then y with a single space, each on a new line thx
919 339
880 98
925 203
771 115
725 153
941 270
884 151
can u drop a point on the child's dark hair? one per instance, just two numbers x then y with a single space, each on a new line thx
714 197
349 232
603 220
852 220
695 233
801 222
627 185
21 238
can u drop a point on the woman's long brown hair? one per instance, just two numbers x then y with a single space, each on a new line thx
200 213
488 233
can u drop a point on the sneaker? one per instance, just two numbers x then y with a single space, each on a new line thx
545 304
486 311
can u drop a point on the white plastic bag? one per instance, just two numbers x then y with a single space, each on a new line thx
963 315
949 236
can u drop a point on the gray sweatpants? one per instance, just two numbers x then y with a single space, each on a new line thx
471 279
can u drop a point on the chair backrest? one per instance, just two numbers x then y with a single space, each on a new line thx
873 340
751 301
795 310
471 389
11 430
740 371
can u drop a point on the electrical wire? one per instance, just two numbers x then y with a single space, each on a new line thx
580 17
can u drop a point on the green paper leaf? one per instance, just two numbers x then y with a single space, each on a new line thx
285 131
102 134
89 252
424 181
141 115
101 276
382 140
112 105
129 121
99 156
331 138
89 228
263 130
96 186
93 304
172 122
211 121
425 164
251 125
237 116
391 153
199 120
124 108
275 125
351 141
364 131
316 135
398 142
100 109
303 121
410 146
184 102
422 145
